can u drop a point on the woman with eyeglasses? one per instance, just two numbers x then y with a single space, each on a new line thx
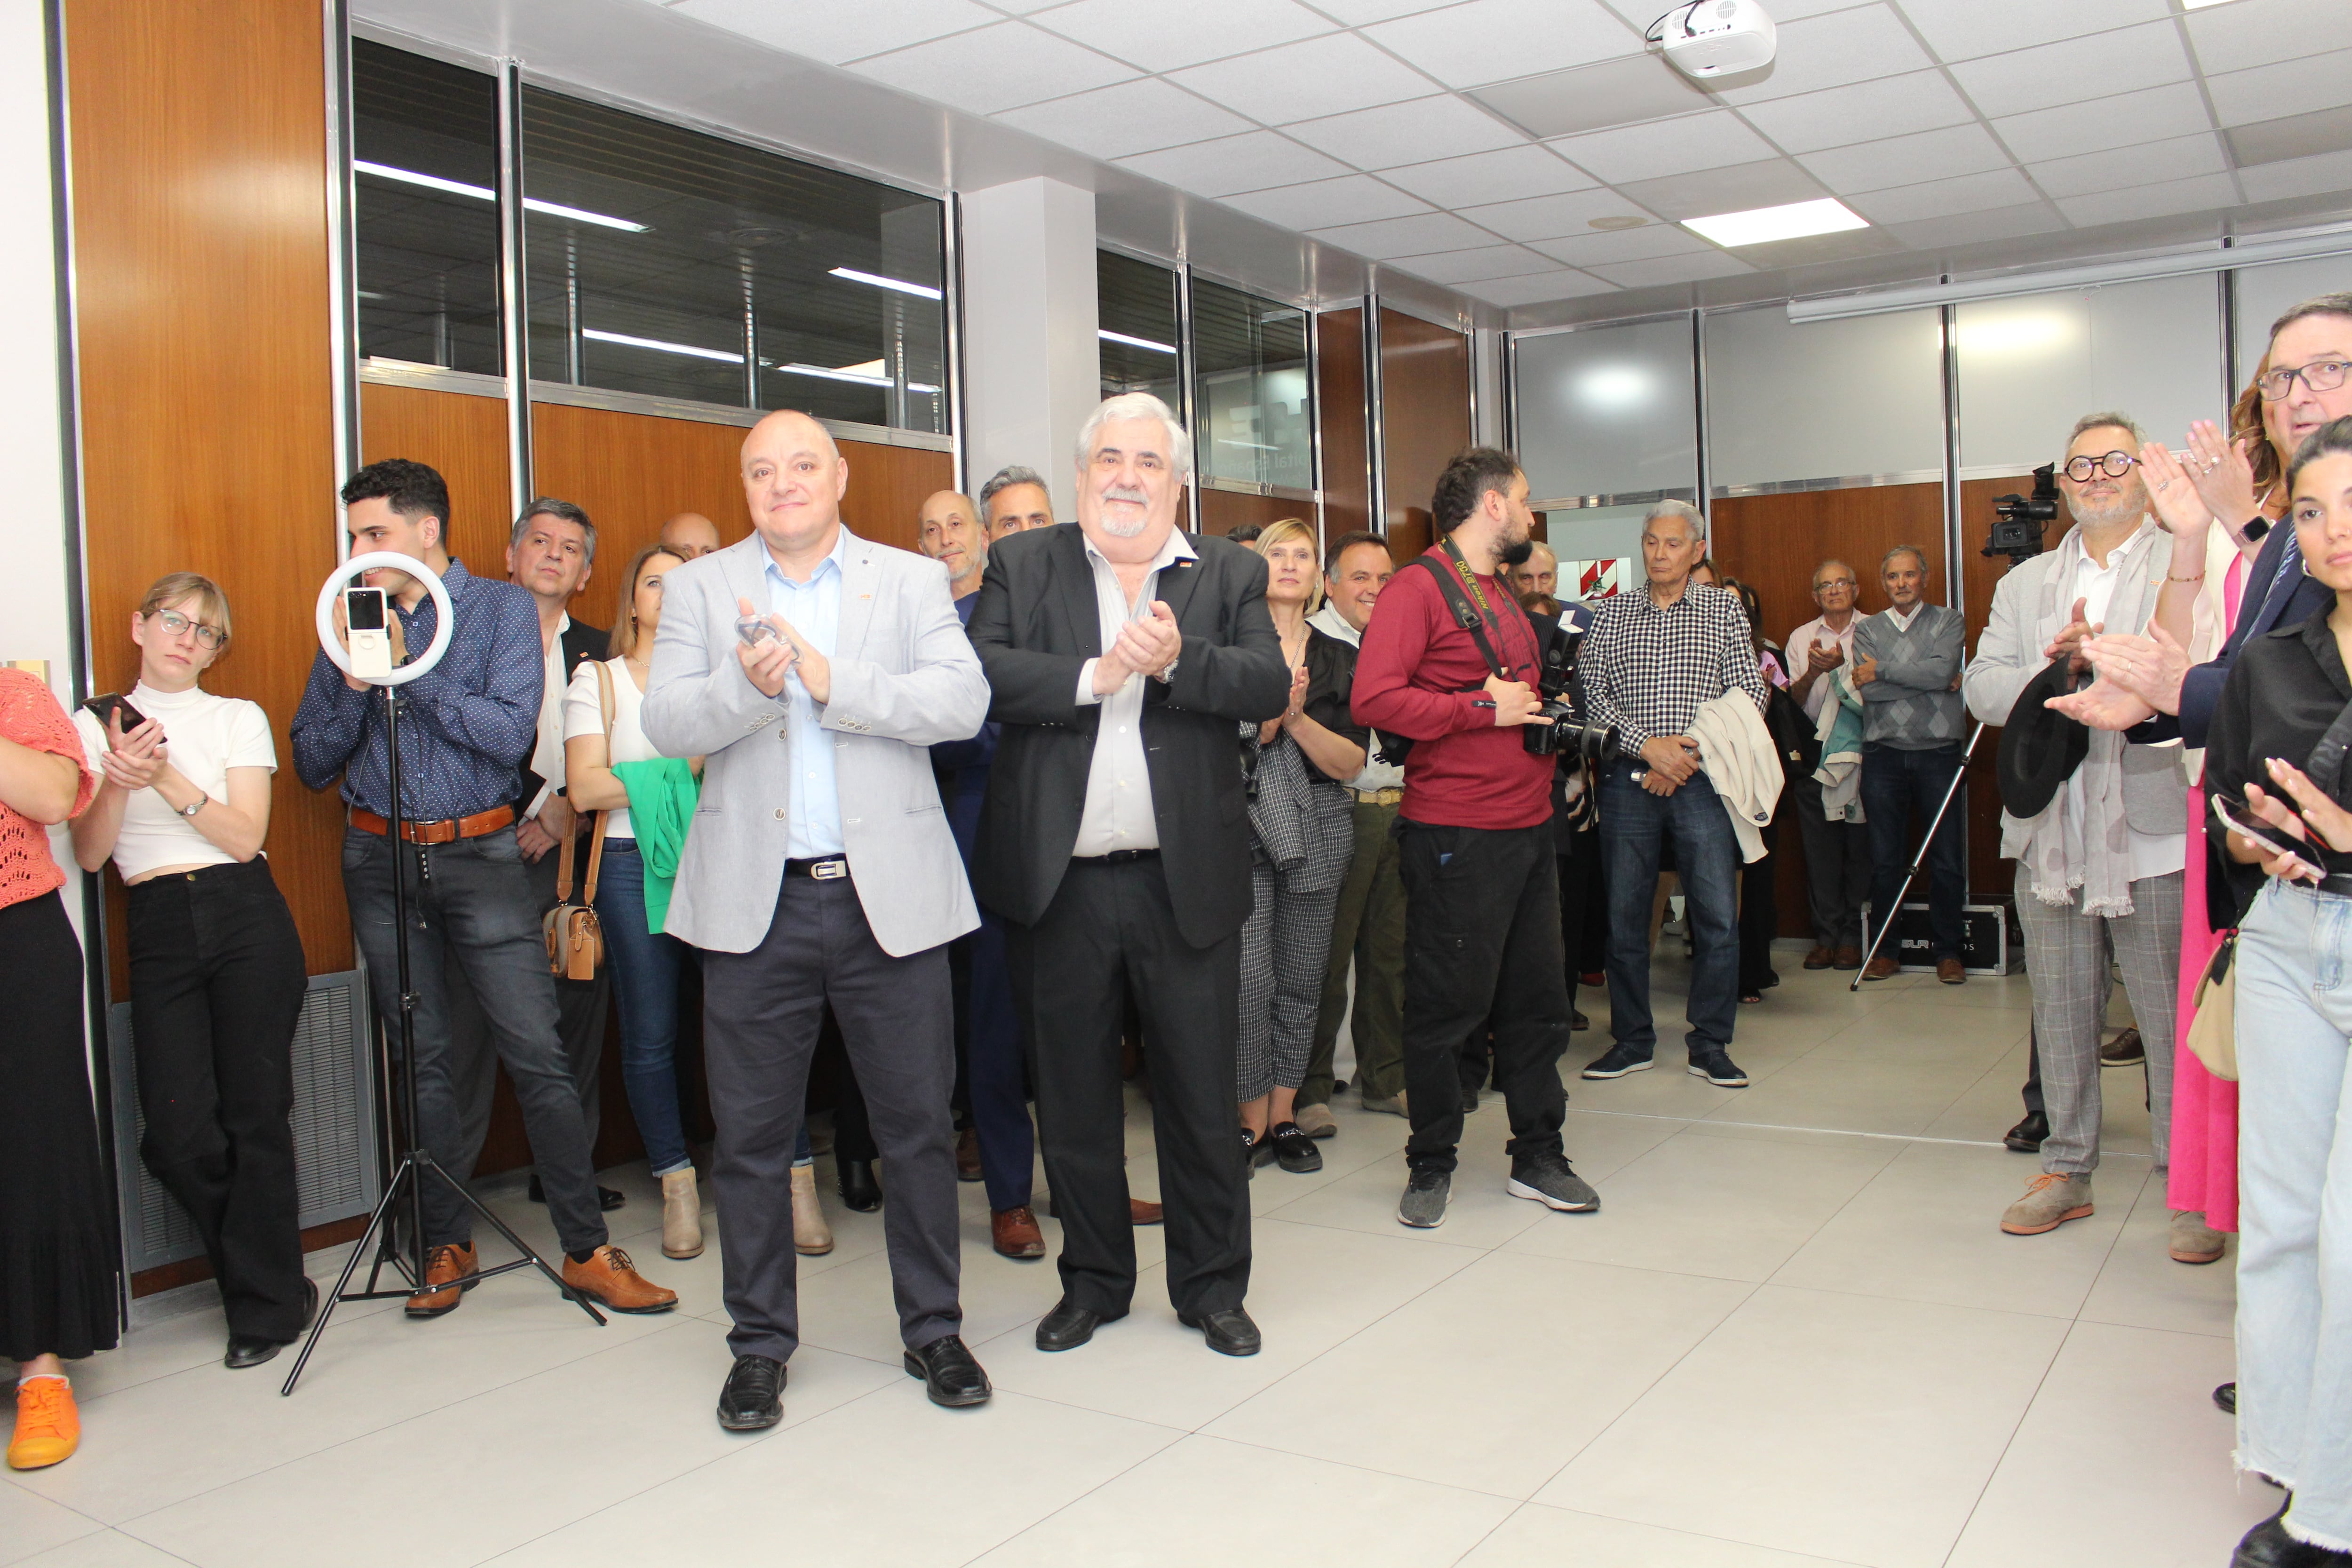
2277 752
216 968
56 1234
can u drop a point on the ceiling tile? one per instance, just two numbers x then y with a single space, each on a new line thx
1820 249
1505 174
2258 32
1742 187
2321 176
2120 167
1705 141
1625 91
1488 40
1956 230
1356 12
1250 161
834 33
1415 132
1629 244
1670 269
1404 236
1642 13
1551 217
1963 29
2152 114
1169 37
996 69
1968 193
1353 198
1831 51
2198 194
1907 160
1305 80
2129 59
1538 287
1864 112
1472 266
1133 117
2296 136
2273 92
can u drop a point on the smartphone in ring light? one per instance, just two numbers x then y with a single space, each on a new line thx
364 618
2240 819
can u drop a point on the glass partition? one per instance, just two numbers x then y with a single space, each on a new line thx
424 148
1824 400
1135 309
1252 411
1609 411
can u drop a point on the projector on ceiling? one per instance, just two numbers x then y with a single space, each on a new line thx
1715 38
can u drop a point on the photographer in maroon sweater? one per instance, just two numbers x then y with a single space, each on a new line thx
1474 831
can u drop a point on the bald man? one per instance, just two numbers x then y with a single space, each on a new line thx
949 531
689 534
814 670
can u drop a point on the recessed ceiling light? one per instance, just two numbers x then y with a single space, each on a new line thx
2201 5
1621 220
921 290
1106 335
483 194
1763 225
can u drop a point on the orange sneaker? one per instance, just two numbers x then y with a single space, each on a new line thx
48 1424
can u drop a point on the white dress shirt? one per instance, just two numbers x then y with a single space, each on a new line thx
547 753
1812 634
1119 811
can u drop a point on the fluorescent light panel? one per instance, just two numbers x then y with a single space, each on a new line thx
1761 225
483 194
626 342
857 373
1111 337
921 290
2201 5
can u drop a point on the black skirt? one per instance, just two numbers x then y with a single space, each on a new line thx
57 1252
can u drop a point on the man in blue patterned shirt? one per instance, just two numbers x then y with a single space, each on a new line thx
463 725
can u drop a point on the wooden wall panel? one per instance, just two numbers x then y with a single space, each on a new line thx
465 438
201 256
1425 421
1340 415
1221 511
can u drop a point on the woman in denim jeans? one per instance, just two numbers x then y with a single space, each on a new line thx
2289 699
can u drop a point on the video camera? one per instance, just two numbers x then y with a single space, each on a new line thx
2017 527
1570 732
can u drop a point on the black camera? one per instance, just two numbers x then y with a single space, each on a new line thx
2018 520
1570 733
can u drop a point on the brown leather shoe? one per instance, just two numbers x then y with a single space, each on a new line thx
1848 957
968 1155
1820 958
1141 1213
1881 967
1015 1233
1951 971
609 1278
448 1274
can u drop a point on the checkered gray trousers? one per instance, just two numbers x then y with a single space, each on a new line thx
1286 947
2067 954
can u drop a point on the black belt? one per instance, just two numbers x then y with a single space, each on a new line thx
1115 858
824 868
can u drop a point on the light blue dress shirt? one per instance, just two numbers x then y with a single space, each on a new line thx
814 608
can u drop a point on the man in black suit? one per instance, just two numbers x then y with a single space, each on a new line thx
1123 655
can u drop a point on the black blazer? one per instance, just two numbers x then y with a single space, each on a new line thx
582 643
1035 625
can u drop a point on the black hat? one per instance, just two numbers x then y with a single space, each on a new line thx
2040 747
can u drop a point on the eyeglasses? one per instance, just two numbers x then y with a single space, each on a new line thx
1845 583
177 624
2115 465
2320 375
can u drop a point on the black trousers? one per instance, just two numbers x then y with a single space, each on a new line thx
1110 930
1482 945
1583 904
761 1013
217 987
1759 915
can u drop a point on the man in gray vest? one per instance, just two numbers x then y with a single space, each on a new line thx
1907 665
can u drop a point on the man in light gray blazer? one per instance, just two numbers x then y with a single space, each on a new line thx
813 669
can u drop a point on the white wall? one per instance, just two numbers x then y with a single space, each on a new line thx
1033 365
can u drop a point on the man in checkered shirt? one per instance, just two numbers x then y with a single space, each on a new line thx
1650 661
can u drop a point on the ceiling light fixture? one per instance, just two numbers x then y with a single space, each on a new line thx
855 374
921 290
483 194
1761 225
1110 337
626 342
2201 5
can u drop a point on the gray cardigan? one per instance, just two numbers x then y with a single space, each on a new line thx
1913 705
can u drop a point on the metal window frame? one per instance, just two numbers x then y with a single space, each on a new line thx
513 288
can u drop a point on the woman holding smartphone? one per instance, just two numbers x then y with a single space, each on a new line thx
2276 753
217 969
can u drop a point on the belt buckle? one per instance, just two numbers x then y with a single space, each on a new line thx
829 870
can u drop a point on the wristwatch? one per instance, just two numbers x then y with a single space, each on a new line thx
195 806
1167 675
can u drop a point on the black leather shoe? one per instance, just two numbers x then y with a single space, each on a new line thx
2027 1135
2225 1398
1229 1332
1293 1149
252 1349
1067 1326
858 1188
2268 1545
950 1374
606 1198
752 1399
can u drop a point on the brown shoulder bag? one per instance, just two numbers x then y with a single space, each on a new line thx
575 940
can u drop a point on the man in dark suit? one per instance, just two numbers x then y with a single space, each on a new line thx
1123 655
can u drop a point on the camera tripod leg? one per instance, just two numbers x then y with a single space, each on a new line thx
517 1243
1886 918
380 1221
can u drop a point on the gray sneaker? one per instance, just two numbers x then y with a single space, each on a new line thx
1547 1179
2049 1200
1426 1193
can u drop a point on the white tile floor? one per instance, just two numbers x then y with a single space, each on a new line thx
1792 1335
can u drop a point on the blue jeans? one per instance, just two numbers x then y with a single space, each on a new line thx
645 970
1896 786
2295 1166
1706 856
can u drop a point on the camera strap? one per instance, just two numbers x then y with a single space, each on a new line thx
1457 586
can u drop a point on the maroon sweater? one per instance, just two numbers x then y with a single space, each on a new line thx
1464 771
